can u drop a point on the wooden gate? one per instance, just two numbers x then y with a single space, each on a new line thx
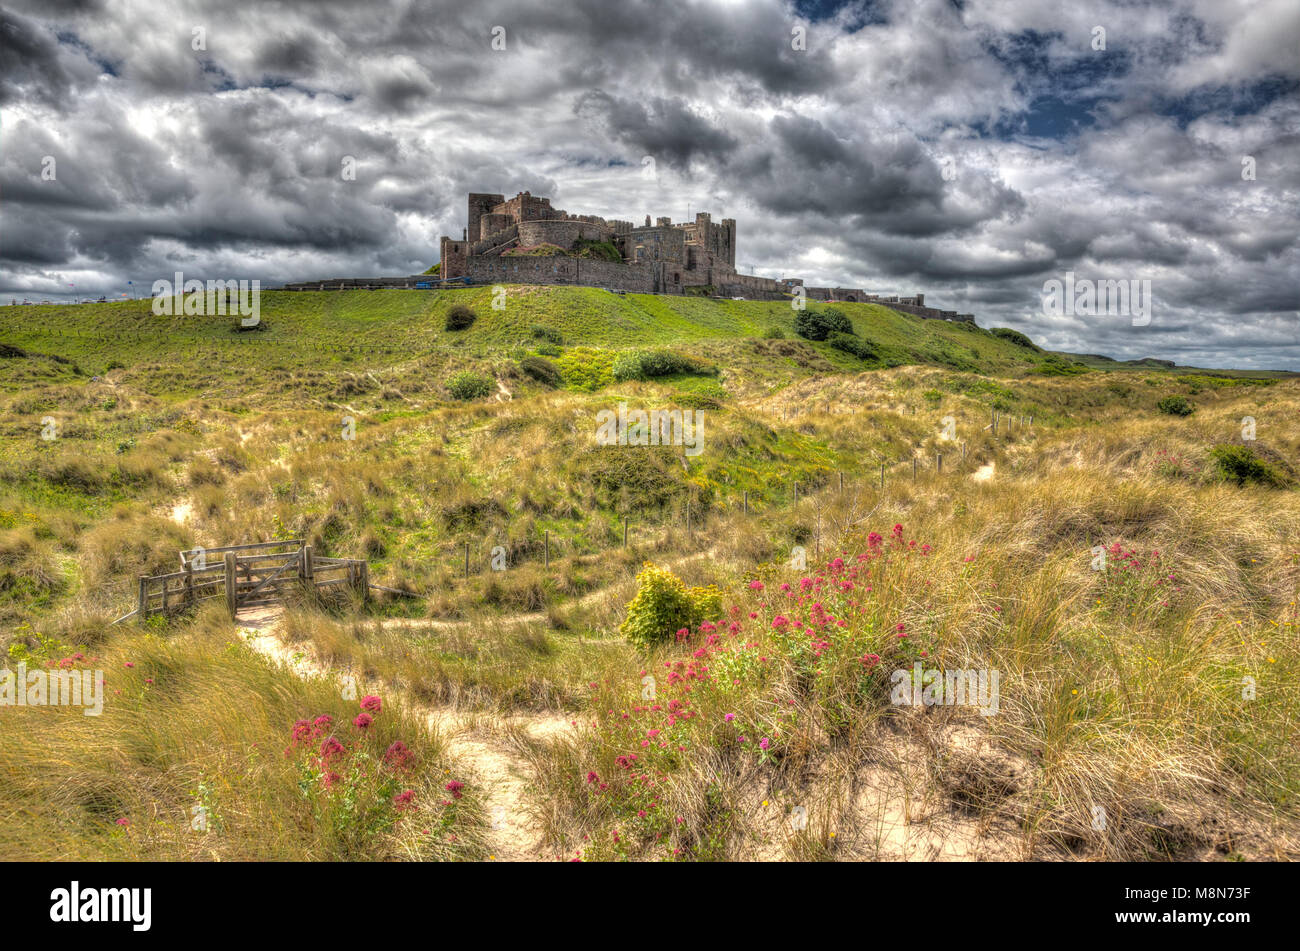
246 576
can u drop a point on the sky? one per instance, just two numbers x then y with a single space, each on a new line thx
971 151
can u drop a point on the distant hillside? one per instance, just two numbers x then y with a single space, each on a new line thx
362 327
581 328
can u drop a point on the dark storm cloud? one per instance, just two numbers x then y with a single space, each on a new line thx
667 129
32 67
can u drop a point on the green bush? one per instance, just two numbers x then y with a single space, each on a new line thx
820 324
543 371
773 333
1239 464
548 350
851 344
1015 336
601 250
469 385
664 605
647 364
549 334
1176 406
460 317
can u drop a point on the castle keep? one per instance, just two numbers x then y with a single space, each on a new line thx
523 240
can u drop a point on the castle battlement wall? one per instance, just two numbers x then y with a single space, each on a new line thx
660 258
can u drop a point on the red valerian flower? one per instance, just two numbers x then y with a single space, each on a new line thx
362 721
398 755
454 788
372 703
404 800
330 748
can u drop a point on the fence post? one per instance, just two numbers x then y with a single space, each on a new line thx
363 580
232 596
914 468
547 539
142 603
189 583
624 531
841 482
882 477
939 462
308 568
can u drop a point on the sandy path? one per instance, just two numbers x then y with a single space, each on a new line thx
485 743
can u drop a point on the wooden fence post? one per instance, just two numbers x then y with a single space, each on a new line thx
142 603
939 462
882 477
232 595
189 583
624 531
547 537
363 580
914 468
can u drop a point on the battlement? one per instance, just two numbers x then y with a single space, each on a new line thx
665 257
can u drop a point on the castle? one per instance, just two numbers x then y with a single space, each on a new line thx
523 240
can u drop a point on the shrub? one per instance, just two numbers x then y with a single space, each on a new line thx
469 385
850 344
664 605
1014 336
1176 406
543 371
773 333
647 364
460 317
818 325
549 334
1239 464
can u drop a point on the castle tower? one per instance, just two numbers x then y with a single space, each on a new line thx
480 205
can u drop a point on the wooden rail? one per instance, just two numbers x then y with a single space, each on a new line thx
246 576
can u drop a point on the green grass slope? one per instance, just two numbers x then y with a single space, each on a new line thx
373 328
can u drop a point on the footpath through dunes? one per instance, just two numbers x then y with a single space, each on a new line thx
488 747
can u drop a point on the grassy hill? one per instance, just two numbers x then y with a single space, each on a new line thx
1122 686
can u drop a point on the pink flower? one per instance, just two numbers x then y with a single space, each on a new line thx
330 748
124 821
362 721
756 585
404 800
398 755
454 788
764 743
729 717
371 702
